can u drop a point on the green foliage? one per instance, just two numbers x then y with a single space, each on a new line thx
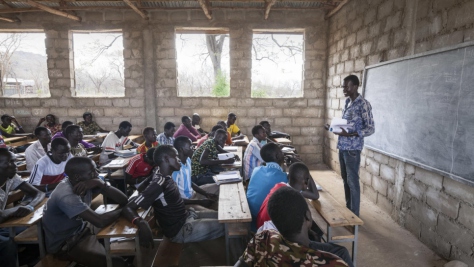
221 86
259 93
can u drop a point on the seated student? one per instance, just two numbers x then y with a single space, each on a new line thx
299 179
264 178
228 141
88 126
232 128
272 134
209 135
149 134
195 122
289 245
252 156
10 127
50 124
205 157
74 135
179 224
39 148
68 211
186 129
166 137
49 170
191 193
61 134
140 167
10 181
115 141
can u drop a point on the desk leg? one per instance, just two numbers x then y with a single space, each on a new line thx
42 248
354 244
12 236
138 251
227 252
329 234
107 252
109 173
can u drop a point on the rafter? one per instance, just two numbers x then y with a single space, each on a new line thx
268 6
206 8
334 11
9 6
9 19
53 11
143 14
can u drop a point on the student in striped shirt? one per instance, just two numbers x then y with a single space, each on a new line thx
252 156
115 141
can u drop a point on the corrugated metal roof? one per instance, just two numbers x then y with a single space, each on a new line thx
179 4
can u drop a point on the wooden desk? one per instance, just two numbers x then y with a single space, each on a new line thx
94 138
125 229
15 139
336 215
28 221
138 138
112 167
241 142
234 212
282 140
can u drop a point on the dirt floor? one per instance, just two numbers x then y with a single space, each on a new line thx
382 242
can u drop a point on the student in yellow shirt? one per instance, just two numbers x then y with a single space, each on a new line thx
232 128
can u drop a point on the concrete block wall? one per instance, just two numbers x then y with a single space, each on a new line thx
436 209
150 74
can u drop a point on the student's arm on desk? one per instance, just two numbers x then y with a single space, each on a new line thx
312 191
30 190
100 220
203 192
18 211
206 161
144 230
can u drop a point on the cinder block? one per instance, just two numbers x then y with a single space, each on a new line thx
455 234
429 178
121 102
365 177
412 225
387 172
385 9
385 204
466 216
458 190
133 112
112 112
373 166
442 202
435 242
380 185
415 188
427 216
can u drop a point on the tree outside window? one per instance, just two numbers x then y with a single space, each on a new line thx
23 65
203 62
98 64
277 64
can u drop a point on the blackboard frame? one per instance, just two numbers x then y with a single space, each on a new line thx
415 163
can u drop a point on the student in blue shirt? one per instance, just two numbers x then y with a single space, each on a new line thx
264 178
192 194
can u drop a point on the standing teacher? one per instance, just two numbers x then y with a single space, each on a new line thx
358 112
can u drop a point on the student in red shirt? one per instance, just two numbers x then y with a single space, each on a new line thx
140 167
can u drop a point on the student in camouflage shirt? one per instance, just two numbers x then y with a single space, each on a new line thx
205 157
88 126
290 245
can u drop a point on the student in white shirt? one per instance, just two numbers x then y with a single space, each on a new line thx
115 141
38 150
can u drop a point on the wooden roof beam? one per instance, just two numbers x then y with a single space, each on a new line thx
53 11
206 8
268 6
142 13
9 19
334 11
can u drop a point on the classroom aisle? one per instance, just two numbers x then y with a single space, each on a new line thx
382 242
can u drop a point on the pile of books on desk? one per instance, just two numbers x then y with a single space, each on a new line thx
227 177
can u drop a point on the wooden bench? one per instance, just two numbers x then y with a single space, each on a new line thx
342 224
121 228
50 261
168 253
234 212
34 224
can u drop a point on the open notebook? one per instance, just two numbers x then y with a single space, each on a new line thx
227 177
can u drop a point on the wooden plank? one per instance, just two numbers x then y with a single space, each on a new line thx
14 139
29 235
333 213
53 11
121 227
126 247
29 219
283 140
334 11
233 205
